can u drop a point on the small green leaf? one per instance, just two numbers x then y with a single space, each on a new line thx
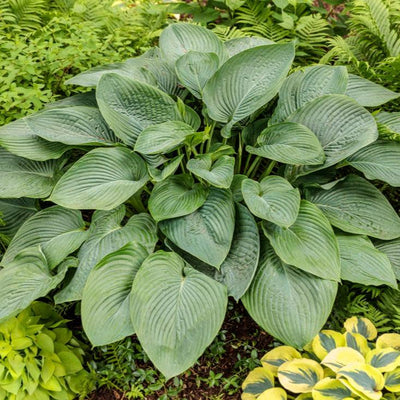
169 169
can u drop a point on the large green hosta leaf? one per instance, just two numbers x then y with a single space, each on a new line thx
27 278
392 249
354 205
340 124
194 69
218 173
237 45
179 39
57 230
289 143
367 93
273 199
380 160
206 233
390 122
158 175
106 235
246 82
102 179
163 138
362 263
106 296
175 197
20 177
290 304
309 244
78 125
129 106
14 212
18 138
306 85
176 311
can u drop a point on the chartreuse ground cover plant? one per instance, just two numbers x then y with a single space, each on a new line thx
39 357
334 366
202 187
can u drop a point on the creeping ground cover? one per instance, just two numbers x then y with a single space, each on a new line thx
197 171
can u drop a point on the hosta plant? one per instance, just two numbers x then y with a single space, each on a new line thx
39 357
334 366
202 187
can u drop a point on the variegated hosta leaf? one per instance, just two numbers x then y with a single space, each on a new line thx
384 360
218 173
362 263
130 106
306 396
179 39
158 175
77 125
14 212
20 177
341 357
57 230
290 304
246 82
237 45
106 235
106 296
163 138
361 325
18 138
257 381
176 311
388 340
363 380
380 160
309 244
367 93
325 342
392 249
273 394
175 197
330 389
341 204
276 357
392 380
206 233
306 85
273 199
194 69
357 342
27 278
340 124
289 143
300 375
102 179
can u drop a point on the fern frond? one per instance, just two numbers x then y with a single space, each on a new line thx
227 32
25 15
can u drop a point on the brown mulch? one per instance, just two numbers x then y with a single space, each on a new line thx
236 334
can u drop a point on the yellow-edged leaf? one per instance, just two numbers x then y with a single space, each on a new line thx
326 341
363 326
330 389
300 375
363 380
384 360
388 340
276 357
357 342
273 394
392 380
328 373
341 357
257 382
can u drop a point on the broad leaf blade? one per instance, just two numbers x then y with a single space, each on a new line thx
309 244
392 249
175 197
237 45
290 304
207 233
102 179
341 204
176 311
106 296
